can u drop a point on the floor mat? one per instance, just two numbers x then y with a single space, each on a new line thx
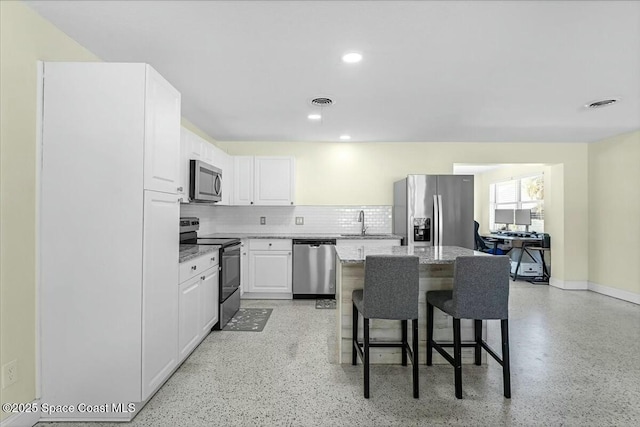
326 303
249 319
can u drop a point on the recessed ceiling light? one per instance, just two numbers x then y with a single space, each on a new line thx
352 57
345 137
314 116
602 103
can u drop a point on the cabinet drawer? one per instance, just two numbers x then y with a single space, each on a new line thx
198 265
270 244
212 259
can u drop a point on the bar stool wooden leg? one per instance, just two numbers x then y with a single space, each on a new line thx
414 361
366 357
477 329
429 334
506 369
457 357
405 343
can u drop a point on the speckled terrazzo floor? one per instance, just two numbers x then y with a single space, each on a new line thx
575 362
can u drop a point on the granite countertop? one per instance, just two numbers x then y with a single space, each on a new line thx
188 252
302 236
427 254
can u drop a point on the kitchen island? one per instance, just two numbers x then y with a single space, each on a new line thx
436 273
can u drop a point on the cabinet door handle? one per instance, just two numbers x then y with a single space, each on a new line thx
251 202
194 268
203 277
179 188
213 259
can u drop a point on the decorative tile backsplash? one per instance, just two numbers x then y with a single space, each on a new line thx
282 219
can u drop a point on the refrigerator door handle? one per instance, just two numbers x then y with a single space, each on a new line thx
410 237
440 221
436 221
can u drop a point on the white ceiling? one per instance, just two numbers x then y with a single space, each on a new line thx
432 71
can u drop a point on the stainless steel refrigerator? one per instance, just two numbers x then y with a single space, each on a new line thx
434 210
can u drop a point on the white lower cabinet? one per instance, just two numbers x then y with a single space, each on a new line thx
189 335
270 269
159 302
199 301
209 287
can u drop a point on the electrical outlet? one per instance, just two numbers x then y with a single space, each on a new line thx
263 220
299 220
10 373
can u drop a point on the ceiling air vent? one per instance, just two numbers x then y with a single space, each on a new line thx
322 102
602 103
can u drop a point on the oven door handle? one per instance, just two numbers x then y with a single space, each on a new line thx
232 248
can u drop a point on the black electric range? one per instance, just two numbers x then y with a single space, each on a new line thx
229 293
216 241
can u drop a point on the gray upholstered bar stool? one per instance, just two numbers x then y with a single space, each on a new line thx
390 292
480 292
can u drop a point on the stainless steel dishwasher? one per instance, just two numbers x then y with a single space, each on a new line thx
314 268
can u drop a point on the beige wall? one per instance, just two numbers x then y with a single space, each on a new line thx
25 38
193 128
327 173
363 174
614 212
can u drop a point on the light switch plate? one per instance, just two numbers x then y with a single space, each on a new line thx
299 220
263 220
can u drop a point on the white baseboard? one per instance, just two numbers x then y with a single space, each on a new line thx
615 293
24 419
570 285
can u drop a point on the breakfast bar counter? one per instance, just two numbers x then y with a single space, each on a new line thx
436 273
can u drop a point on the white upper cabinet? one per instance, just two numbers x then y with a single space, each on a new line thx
243 180
265 181
208 153
224 162
274 180
193 147
162 127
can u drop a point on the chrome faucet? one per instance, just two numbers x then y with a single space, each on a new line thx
361 219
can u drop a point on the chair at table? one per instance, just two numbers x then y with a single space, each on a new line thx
480 292
390 292
481 242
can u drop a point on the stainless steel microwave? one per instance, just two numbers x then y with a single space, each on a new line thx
205 182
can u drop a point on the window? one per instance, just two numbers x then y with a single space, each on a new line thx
522 193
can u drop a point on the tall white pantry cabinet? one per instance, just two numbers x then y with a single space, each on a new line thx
109 216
